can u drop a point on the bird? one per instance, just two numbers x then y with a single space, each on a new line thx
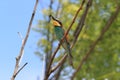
60 32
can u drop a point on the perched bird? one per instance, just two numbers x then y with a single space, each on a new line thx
59 31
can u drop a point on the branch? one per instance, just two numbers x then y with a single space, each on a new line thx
51 60
52 57
58 11
59 63
24 42
81 23
48 51
57 73
78 29
107 26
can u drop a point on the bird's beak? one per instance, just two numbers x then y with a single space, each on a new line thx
54 21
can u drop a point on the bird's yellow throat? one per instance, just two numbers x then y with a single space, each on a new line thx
55 23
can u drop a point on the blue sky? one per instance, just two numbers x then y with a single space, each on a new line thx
14 17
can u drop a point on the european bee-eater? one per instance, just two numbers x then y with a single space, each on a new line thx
59 31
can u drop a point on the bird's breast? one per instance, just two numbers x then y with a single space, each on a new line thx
59 32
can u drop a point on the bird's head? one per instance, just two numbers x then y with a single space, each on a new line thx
55 21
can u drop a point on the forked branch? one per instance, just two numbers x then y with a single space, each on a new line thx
23 44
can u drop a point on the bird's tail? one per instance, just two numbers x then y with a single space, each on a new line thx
70 57
66 46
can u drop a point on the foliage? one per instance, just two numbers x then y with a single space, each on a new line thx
104 62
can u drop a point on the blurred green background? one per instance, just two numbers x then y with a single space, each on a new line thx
104 62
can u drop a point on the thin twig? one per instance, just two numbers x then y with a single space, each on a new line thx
51 60
24 42
107 26
21 68
20 36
